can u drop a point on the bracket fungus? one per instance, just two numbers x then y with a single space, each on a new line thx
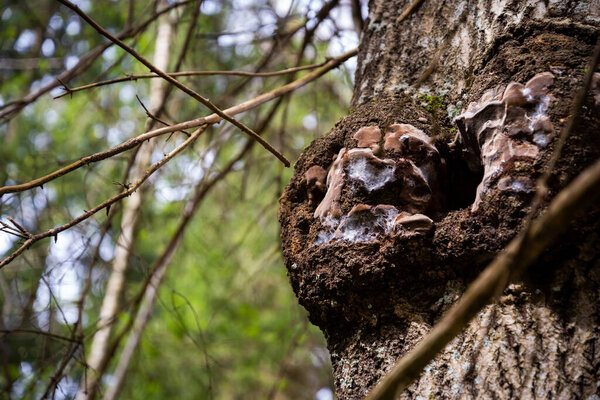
383 186
503 128
315 182
595 87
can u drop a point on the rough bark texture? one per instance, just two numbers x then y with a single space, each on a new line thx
362 253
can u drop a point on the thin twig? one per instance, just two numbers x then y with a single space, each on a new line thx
154 117
55 379
19 227
408 10
191 73
282 38
210 119
188 38
12 231
159 267
357 17
542 183
203 100
42 333
112 200
435 59
11 108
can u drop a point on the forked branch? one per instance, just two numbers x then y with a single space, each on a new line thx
206 102
210 119
106 204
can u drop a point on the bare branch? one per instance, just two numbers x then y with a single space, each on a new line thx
190 73
154 117
210 119
408 10
206 102
11 108
112 200
145 298
42 333
357 17
55 379
542 183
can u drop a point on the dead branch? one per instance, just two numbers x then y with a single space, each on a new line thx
145 298
11 108
105 204
42 333
206 102
408 10
210 119
191 73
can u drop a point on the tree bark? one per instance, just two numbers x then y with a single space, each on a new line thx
456 111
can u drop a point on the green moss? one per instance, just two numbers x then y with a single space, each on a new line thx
434 103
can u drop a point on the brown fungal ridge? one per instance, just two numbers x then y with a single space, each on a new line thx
369 136
595 88
398 137
503 127
413 223
404 174
335 181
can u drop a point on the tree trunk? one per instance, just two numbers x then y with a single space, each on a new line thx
132 206
456 110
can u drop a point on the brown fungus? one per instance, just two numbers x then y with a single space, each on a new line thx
408 143
377 188
368 136
502 128
413 223
519 184
401 137
335 181
595 87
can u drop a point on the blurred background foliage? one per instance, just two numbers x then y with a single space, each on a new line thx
226 324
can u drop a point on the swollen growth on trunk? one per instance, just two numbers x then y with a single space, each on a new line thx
456 110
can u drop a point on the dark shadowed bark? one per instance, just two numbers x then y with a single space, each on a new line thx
389 216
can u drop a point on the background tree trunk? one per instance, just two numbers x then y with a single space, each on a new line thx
375 290
132 207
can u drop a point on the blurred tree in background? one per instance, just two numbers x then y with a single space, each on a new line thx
225 323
